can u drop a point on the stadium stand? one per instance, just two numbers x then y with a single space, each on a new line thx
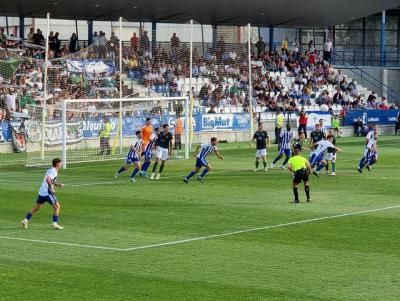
282 80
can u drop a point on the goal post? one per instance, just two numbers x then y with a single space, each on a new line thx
81 134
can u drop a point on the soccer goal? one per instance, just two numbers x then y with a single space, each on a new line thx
93 130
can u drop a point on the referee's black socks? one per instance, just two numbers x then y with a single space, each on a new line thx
296 194
307 190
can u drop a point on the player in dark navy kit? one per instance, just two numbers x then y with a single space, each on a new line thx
299 142
201 153
47 195
330 156
261 138
316 136
163 150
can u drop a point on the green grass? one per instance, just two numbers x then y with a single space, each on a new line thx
345 258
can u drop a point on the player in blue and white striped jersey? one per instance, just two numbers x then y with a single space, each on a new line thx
284 146
372 130
201 153
370 156
47 195
317 155
322 127
133 157
148 153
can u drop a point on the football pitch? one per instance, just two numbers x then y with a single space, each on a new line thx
235 237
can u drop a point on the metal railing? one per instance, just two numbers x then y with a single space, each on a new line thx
364 57
365 79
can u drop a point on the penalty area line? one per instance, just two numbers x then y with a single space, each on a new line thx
207 237
60 243
115 182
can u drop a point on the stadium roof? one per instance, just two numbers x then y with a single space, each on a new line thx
287 13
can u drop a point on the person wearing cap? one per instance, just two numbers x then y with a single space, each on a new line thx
301 169
105 136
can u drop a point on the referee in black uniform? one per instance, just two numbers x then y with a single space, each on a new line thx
301 169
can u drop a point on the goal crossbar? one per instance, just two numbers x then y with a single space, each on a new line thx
164 101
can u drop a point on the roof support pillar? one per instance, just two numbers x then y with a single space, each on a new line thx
383 28
271 38
21 28
154 38
300 41
90 32
364 22
7 29
214 38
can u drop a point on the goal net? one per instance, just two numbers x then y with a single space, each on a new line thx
76 131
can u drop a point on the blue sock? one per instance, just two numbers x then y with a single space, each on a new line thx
135 171
191 174
28 216
277 159
121 170
55 218
146 165
320 166
203 174
362 163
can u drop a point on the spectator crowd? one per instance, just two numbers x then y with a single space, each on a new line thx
285 79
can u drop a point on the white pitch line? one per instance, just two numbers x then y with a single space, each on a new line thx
60 243
183 241
177 242
120 181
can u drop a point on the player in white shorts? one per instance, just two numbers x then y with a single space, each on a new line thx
261 138
317 156
163 149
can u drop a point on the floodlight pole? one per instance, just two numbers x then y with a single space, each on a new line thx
250 82
120 87
44 107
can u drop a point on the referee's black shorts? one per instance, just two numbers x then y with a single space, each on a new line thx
300 175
